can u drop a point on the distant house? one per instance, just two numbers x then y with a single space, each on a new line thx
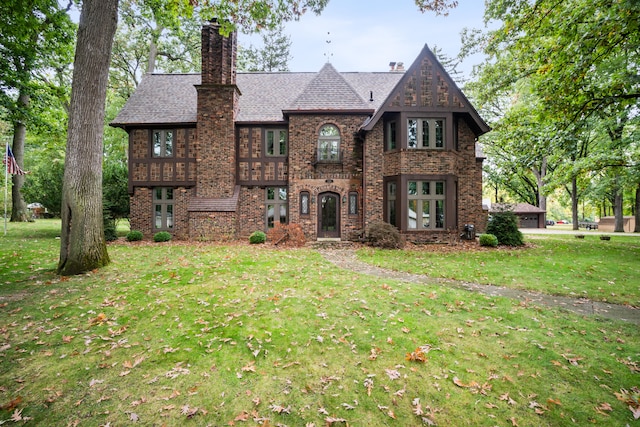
221 154
529 216
608 223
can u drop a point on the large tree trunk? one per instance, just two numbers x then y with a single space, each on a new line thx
618 212
18 206
574 203
82 242
636 229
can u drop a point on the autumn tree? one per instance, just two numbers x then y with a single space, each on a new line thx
36 42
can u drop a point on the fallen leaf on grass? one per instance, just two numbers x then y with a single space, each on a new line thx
419 354
187 411
332 420
393 374
250 367
280 409
99 319
604 408
12 404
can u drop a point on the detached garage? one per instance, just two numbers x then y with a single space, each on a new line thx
530 216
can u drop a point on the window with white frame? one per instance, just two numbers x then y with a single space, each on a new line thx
426 205
329 144
162 143
425 133
276 142
163 208
276 206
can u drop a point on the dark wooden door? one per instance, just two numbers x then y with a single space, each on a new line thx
329 215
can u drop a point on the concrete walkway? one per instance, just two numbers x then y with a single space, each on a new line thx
346 259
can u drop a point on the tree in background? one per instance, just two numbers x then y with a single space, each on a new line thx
36 47
273 56
578 59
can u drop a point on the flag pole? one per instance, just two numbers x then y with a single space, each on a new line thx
6 183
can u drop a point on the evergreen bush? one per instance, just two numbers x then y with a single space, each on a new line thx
384 235
257 237
162 236
109 224
134 236
488 240
504 225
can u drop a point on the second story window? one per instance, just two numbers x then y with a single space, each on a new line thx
276 142
329 144
425 133
391 136
162 143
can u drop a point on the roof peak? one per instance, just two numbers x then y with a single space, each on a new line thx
329 90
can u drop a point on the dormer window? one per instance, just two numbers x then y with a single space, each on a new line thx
425 133
329 144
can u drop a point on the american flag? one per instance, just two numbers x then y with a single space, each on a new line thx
11 164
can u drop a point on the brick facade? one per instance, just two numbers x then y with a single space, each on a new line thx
220 170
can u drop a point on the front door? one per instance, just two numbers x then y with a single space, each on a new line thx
329 215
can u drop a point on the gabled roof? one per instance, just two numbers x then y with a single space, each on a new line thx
161 99
426 84
165 99
329 91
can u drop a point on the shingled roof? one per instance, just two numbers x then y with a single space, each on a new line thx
329 91
163 99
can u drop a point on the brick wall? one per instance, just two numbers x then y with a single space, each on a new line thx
142 216
340 178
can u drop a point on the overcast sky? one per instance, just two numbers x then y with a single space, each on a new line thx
365 35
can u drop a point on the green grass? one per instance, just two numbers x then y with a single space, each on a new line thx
192 334
557 265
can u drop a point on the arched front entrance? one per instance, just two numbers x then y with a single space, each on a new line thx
328 215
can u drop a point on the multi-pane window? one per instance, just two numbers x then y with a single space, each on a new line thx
276 206
391 203
163 208
353 203
162 143
304 203
426 205
425 133
391 136
329 144
276 142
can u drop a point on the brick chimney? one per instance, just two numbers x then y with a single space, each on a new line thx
217 104
218 55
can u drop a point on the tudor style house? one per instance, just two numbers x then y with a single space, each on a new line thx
219 155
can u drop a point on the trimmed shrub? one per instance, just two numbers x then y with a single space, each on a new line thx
488 240
162 236
257 237
504 225
134 236
384 235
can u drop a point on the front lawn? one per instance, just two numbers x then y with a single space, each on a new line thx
557 265
195 334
